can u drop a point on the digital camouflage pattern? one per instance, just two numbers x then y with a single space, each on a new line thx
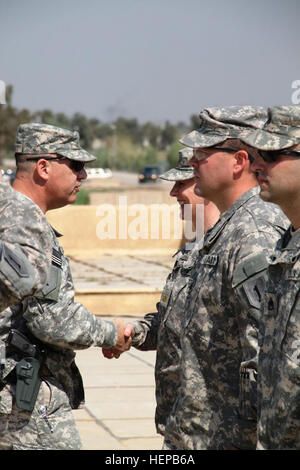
182 171
162 331
60 326
35 139
279 358
50 426
219 124
282 129
24 230
216 404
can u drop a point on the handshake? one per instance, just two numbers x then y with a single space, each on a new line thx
125 334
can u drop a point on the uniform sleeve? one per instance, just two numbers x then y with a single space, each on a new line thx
249 278
68 325
26 251
146 330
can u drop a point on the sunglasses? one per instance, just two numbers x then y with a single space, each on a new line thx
273 155
75 165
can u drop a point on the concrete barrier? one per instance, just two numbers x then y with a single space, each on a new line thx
110 228
122 302
81 226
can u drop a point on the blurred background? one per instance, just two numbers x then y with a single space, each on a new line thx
131 76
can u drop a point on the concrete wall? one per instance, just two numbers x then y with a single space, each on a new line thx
134 227
134 196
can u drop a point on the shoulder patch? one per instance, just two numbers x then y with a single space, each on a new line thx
248 268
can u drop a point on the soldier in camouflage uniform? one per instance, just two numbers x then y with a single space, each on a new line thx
278 169
161 330
215 406
40 382
25 247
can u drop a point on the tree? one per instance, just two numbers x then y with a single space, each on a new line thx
150 156
81 124
194 122
10 118
168 135
172 154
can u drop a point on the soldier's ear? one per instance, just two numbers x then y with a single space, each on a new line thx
43 169
240 162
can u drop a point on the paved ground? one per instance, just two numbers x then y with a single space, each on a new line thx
120 393
120 401
120 272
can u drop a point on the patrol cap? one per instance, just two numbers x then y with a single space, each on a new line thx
282 129
182 171
219 124
36 138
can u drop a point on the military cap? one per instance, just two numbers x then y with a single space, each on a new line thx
35 139
182 171
282 129
219 124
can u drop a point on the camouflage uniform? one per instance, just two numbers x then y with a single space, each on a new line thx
279 357
161 330
55 324
182 171
25 247
216 403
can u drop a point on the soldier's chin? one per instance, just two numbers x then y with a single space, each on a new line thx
265 195
72 199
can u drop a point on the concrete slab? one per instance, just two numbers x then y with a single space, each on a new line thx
119 401
119 285
127 428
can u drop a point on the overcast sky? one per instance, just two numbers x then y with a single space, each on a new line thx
153 60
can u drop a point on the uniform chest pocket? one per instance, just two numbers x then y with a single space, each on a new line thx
175 293
208 284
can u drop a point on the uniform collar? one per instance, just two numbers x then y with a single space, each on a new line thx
56 233
214 232
287 248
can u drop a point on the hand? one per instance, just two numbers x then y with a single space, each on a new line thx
125 333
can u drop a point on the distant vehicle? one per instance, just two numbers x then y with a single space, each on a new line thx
98 173
149 173
8 175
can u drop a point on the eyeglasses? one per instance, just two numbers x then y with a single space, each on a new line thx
273 155
75 165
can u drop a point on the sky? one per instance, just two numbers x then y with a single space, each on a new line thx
152 60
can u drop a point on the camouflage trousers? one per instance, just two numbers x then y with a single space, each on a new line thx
50 426
167 445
